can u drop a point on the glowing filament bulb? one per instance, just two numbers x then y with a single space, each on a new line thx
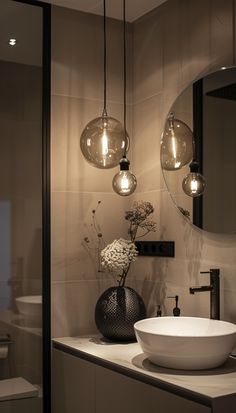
124 182
104 142
176 144
194 185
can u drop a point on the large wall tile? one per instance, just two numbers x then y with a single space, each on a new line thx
77 56
73 306
148 55
194 45
221 34
72 222
172 76
146 144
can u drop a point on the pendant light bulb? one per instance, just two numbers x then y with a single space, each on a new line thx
176 144
103 141
194 183
124 182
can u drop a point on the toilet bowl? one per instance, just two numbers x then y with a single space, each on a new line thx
30 309
16 388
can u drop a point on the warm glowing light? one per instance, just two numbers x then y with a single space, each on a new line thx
194 183
104 143
12 42
176 144
124 182
173 140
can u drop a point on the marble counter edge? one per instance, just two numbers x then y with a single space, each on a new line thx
67 344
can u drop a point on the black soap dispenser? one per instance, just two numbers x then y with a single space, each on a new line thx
176 309
159 312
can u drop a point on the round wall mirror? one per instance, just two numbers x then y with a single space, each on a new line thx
208 108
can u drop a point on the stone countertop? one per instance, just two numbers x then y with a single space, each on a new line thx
204 386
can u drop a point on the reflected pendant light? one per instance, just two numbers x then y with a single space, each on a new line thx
194 183
176 144
124 182
102 141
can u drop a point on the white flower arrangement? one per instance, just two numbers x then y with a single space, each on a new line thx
117 256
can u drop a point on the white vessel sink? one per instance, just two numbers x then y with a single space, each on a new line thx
30 307
188 343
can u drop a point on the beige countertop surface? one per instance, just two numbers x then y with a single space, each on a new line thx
129 359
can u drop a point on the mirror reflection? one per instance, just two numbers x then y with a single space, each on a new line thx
207 107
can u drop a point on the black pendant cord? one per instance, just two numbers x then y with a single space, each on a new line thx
104 59
124 46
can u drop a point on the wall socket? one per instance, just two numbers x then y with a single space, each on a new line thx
156 248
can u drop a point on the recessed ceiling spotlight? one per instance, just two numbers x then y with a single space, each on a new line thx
12 41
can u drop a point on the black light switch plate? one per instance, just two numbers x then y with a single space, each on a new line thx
156 248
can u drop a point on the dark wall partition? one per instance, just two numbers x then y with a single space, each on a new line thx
25 205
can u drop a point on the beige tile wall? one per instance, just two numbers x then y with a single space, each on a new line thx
77 98
168 49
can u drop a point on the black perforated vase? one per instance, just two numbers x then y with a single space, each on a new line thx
116 311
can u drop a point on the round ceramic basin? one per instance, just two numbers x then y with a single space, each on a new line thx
188 343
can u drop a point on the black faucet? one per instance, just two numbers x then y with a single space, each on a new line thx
214 289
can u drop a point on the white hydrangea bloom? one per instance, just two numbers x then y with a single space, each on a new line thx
118 255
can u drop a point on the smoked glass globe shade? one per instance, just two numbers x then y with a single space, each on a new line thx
103 142
194 184
176 144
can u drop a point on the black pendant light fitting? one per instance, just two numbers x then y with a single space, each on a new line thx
102 141
124 182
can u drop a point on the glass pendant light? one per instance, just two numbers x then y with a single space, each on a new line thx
176 144
103 141
194 183
124 182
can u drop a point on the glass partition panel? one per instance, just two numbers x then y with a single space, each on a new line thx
21 214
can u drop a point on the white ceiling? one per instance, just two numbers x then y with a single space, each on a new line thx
134 8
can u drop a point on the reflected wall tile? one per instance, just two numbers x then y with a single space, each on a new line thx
72 222
146 147
77 56
70 171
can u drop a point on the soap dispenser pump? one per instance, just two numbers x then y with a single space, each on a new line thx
176 309
159 312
